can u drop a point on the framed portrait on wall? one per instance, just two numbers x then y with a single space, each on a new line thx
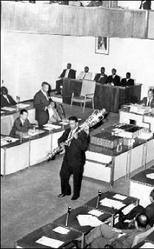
101 45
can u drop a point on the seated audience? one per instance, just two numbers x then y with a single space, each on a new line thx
101 77
127 81
107 235
21 124
67 73
85 74
114 79
149 211
149 100
6 99
41 103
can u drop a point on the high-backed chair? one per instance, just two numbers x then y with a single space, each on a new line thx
86 95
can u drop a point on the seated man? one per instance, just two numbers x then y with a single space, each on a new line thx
85 74
149 100
67 73
101 77
21 124
6 99
127 81
149 211
106 235
41 103
114 79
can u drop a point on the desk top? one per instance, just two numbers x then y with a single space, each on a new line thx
111 195
6 112
73 222
29 241
141 177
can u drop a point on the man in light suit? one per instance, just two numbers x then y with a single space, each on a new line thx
149 100
85 74
67 73
101 77
114 79
41 104
127 81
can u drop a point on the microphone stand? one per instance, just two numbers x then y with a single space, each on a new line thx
98 198
67 216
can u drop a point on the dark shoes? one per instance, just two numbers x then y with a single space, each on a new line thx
62 195
75 197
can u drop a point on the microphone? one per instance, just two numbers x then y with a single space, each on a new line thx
98 197
67 216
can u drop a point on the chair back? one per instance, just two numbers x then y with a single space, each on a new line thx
88 87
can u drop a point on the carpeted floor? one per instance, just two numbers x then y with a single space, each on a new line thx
29 197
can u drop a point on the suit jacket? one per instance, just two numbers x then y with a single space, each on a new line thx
19 127
71 74
149 210
144 101
102 80
82 76
115 80
40 102
4 101
130 82
75 153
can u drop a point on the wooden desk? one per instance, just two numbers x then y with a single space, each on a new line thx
29 241
141 186
106 96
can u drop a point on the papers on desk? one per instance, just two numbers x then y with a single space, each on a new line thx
112 203
10 109
127 209
49 242
22 106
145 135
120 197
34 133
51 127
7 140
61 230
88 220
95 212
64 122
147 245
150 176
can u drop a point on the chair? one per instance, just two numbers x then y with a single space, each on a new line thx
86 95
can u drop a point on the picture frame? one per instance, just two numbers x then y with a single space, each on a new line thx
102 45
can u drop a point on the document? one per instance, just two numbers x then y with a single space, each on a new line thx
112 203
61 230
150 176
51 127
34 133
95 212
147 245
120 197
127 209
11 139
22 106
88 220
49 242
10 109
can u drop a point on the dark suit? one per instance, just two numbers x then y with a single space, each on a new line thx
125 82
40 102
115 80
4 101
73 162
19 127
71 75
144 101
102 80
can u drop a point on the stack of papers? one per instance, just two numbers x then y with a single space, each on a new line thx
61 230
150 176
127 209
120 197
22 106
10 109
147 245
34 133
88 220
145 135
10 139
112 203
3 142
49 242
51 127
95 212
